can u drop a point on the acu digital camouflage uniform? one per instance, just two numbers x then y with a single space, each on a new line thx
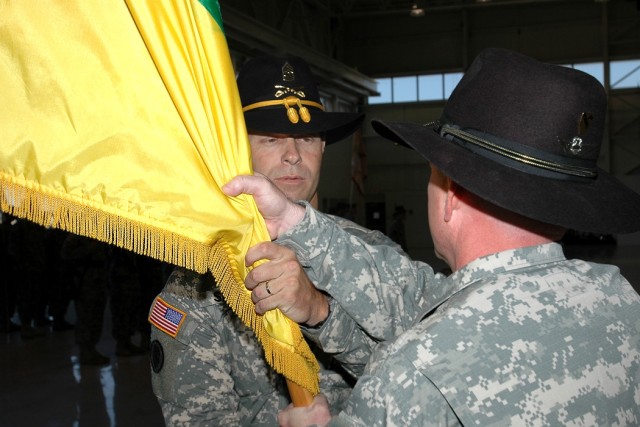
214 372
521 337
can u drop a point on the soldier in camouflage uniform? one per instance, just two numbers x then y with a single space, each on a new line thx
87 260
124 294
517 334
207 366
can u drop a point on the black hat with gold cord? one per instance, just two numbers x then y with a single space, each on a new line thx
279 95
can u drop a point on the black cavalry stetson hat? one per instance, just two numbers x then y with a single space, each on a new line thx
526 136
279 95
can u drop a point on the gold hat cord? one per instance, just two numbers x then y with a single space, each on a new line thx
293 115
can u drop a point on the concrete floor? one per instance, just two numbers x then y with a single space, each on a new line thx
43 385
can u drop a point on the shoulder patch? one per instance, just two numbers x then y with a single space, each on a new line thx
157 356
166 317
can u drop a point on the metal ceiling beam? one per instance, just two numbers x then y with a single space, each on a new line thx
250 32
459 6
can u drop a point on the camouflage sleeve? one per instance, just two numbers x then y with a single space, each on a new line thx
194 386
378 286
393 393
335 382
213 372
341 336
371 237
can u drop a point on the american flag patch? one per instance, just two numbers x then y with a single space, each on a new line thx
166 317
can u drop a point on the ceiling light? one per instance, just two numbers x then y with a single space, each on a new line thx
416 12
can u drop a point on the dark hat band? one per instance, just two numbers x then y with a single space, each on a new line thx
293 115
509 153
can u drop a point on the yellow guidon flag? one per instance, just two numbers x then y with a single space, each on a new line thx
120 121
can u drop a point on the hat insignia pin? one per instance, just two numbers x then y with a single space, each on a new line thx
283 90
291 100
288 75
575 145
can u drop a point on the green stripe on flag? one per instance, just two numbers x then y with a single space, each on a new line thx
214 9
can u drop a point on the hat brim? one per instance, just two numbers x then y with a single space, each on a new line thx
335 126
600 205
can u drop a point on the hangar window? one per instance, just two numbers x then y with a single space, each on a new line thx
438 87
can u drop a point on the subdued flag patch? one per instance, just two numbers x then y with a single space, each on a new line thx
166 317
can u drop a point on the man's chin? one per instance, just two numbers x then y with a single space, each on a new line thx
294 195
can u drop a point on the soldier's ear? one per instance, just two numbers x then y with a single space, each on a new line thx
452 200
